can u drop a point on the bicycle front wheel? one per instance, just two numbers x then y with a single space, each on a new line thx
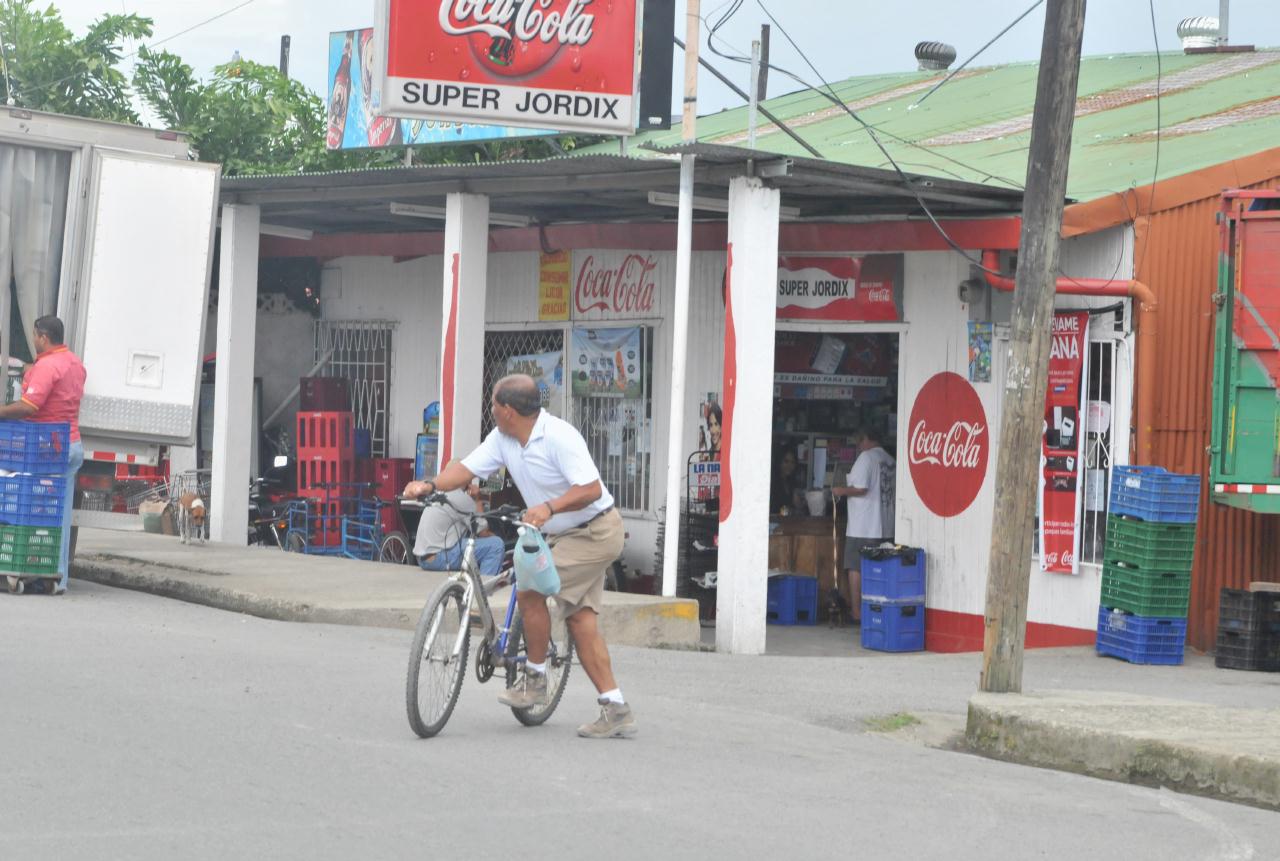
438 659
395 548
559 660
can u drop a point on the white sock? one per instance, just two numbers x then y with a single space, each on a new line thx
613 696
541 669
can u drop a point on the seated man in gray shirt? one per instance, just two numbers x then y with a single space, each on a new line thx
442 533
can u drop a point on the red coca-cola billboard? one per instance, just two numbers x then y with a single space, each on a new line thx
558 64
948 443
614 286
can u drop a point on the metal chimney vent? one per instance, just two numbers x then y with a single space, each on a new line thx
934 56
1200 32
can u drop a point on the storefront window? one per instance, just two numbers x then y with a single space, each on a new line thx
538 353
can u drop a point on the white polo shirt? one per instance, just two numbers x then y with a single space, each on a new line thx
554 459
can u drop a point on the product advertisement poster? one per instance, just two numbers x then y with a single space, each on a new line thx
816 366
547 370
606 363
354 124
1062 454
555 64
838 288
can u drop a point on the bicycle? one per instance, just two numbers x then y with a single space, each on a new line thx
438 657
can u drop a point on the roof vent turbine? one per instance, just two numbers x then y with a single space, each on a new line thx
934 56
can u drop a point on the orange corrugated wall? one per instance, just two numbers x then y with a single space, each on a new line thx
1180 264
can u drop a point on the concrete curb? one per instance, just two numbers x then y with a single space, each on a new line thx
647 623
1134 739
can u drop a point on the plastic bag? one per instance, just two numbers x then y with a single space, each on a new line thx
535 569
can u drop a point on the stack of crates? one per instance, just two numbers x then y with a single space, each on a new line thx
390 475
1248 631
893 590
32 499
1146 573
793 600
326 459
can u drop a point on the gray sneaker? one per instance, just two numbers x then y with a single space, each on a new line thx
529 691
615 721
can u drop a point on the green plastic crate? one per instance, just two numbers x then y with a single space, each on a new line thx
1146 593
1151 546
30 549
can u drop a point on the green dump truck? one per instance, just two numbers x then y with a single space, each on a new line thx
1245 451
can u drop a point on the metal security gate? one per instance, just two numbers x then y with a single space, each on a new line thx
361 354
619 437
525 352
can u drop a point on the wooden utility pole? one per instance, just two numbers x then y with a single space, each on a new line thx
1021 426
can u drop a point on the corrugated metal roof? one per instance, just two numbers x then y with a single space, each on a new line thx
977 127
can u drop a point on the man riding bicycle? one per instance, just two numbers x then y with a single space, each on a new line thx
548 460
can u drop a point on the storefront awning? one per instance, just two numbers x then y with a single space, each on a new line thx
603 188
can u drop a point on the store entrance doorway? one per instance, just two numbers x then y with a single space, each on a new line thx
830 386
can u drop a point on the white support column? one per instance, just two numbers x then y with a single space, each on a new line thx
750 315
233 383
466 273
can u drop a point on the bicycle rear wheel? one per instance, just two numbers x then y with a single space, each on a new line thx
559 660
438 659
395 548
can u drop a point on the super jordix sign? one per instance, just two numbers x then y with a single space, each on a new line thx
562 64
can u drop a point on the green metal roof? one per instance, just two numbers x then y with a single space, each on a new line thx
1213 108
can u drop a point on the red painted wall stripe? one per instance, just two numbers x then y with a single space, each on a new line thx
948 631
730 394
448 370
973 234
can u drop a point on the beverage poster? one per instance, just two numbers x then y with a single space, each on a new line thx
606 363
1062 473
980 352
353 121
710 418
547 370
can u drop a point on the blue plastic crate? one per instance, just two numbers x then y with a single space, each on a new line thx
893 626
1154 494
32 500
793 600
899 577
40 448
1141 639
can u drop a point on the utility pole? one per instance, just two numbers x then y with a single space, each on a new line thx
285 42
762 85
680 321
1021 426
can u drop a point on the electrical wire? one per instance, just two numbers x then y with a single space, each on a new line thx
831 94
1155 173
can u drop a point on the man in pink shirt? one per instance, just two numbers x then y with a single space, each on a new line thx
51 392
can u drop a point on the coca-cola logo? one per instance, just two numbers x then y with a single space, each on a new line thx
517 38
625 290
948 444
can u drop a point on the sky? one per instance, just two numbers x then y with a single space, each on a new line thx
842 38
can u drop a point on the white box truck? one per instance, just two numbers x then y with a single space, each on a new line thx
111 227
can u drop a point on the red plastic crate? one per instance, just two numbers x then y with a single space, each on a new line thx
324 394
316 471
326 451
390 475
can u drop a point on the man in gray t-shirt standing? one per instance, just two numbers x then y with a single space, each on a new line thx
441 538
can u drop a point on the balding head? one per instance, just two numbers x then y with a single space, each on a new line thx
519 392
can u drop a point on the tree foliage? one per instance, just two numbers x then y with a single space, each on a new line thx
46 67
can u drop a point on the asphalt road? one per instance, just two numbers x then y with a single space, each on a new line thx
137 727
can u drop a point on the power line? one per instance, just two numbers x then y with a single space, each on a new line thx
1155 173
4 61
960 68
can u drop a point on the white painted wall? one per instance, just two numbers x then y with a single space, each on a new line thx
936 340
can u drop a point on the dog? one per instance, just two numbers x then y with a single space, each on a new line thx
837 610
191 506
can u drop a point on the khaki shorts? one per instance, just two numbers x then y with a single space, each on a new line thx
583 556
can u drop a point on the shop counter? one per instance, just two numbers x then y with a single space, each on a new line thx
804 545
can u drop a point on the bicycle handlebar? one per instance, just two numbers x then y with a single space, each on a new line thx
506 513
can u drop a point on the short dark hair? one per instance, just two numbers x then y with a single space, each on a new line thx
868 432
51 327
519 392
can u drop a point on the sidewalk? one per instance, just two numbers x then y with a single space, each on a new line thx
270 583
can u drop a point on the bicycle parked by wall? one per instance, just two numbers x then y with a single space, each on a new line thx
438 659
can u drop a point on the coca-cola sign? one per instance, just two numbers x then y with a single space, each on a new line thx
559 64
615 286
948 444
